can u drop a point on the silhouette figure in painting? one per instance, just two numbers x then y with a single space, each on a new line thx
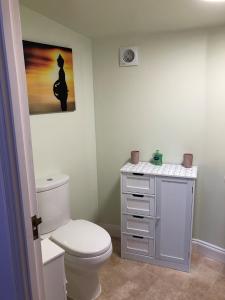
60 87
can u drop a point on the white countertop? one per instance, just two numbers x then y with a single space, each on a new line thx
171 170
50 251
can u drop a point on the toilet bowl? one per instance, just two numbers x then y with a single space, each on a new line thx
83 273
87 246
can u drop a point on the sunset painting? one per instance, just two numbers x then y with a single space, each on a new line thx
50 80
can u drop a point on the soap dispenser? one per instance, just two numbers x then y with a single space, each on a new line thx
157 158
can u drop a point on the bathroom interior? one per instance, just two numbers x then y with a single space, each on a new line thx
171 98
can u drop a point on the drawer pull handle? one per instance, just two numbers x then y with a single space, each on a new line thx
138 174
138 217
137 237
137 195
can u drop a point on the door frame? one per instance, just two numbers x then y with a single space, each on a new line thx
16 163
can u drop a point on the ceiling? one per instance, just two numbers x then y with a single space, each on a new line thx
99 18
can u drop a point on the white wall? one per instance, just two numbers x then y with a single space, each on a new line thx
159 104
172 101
212 206
65 142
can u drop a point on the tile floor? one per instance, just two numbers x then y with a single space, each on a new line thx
122 280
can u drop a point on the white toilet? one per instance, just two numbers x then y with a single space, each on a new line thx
86 244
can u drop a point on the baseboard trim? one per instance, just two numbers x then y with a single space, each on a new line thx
212 251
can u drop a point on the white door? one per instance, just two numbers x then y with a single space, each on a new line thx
174 229
13 56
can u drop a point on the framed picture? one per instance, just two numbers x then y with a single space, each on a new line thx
50 79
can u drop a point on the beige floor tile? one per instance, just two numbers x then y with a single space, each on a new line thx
129 280
217 291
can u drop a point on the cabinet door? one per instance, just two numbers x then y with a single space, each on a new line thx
174 229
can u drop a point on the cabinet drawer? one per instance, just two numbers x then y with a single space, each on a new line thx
138 204
138 183
138 245
138 225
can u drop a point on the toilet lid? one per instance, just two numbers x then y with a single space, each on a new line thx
82 238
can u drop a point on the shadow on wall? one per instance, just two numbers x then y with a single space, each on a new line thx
197 202
109 209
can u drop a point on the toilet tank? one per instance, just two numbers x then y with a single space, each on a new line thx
53 202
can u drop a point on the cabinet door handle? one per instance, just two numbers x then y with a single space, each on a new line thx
137 195
138 174
137 237
138 217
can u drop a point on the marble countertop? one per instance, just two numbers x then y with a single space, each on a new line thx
171 170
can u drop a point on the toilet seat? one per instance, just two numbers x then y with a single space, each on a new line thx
82 238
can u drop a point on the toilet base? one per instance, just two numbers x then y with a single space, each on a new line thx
82 275
82 286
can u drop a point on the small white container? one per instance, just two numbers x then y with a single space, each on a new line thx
53 270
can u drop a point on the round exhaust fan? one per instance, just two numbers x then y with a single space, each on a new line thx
128 56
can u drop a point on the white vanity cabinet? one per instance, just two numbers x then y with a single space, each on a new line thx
157 213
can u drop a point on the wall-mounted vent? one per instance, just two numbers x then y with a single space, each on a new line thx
128 56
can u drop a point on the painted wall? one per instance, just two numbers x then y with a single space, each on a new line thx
173 102
212 206
159 104
65 142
